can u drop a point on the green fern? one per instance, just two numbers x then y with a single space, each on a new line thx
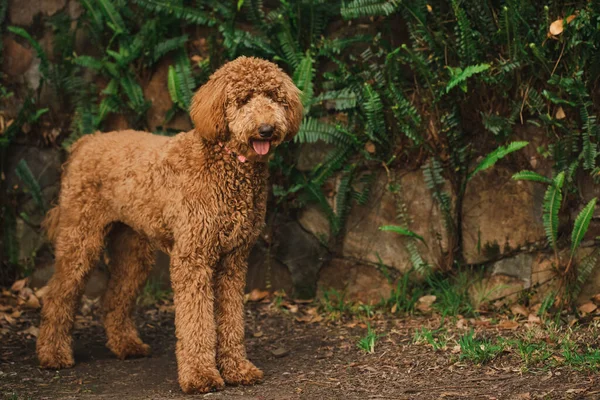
312 130
113 17
343 99
367 8
303 78
584 271
169 45
496 155
581 225
531 176
551 207
25 174
188 14
44 62
373 107
459 76
401 231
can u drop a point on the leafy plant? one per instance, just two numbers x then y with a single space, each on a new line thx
367 343
479 351
551 207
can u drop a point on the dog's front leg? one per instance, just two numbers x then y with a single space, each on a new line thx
192 279
231 352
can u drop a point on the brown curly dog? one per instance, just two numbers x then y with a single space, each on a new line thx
200 196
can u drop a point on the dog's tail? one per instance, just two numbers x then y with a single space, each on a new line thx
50 223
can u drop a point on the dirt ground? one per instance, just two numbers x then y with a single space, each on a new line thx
301 361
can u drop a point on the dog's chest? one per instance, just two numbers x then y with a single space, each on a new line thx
242 213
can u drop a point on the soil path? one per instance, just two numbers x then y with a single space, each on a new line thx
313 361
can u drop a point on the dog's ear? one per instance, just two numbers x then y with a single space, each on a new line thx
208 110
295 109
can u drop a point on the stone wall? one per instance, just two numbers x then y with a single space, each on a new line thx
502 218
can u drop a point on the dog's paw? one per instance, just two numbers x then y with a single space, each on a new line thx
56 357
204 381
241 373
126 348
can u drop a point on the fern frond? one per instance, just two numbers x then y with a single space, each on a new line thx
581 225
343 99
401 231
531 176
312 130
113 17
432 173
289 47
183 69
303 78
459 76
342 203
188 14
496 155
166 46
24 173
551 207
89 62
44 63
373 107
134 93
584 271
368 8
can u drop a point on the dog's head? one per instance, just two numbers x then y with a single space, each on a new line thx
249 105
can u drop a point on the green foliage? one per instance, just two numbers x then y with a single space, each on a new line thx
459 76
551 207
452 294
479 351
436 339
401 231
493 157
581 225
365 8
405 294
367 343
25 174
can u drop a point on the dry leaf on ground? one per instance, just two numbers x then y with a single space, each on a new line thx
18 285
32 331
518 309
508 324
257 295
588 308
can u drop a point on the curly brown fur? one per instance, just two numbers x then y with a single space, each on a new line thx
191 196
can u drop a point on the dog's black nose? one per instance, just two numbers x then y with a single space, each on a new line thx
265 130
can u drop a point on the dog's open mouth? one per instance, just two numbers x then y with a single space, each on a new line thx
262 147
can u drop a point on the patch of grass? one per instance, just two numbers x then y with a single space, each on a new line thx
452 297
479 351
367 309
436 339
405 295
334 303
367 343
532 353
579 358
153 292
278 299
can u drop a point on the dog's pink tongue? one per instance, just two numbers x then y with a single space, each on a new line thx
261 146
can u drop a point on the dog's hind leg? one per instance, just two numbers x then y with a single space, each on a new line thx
79 241
131 258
